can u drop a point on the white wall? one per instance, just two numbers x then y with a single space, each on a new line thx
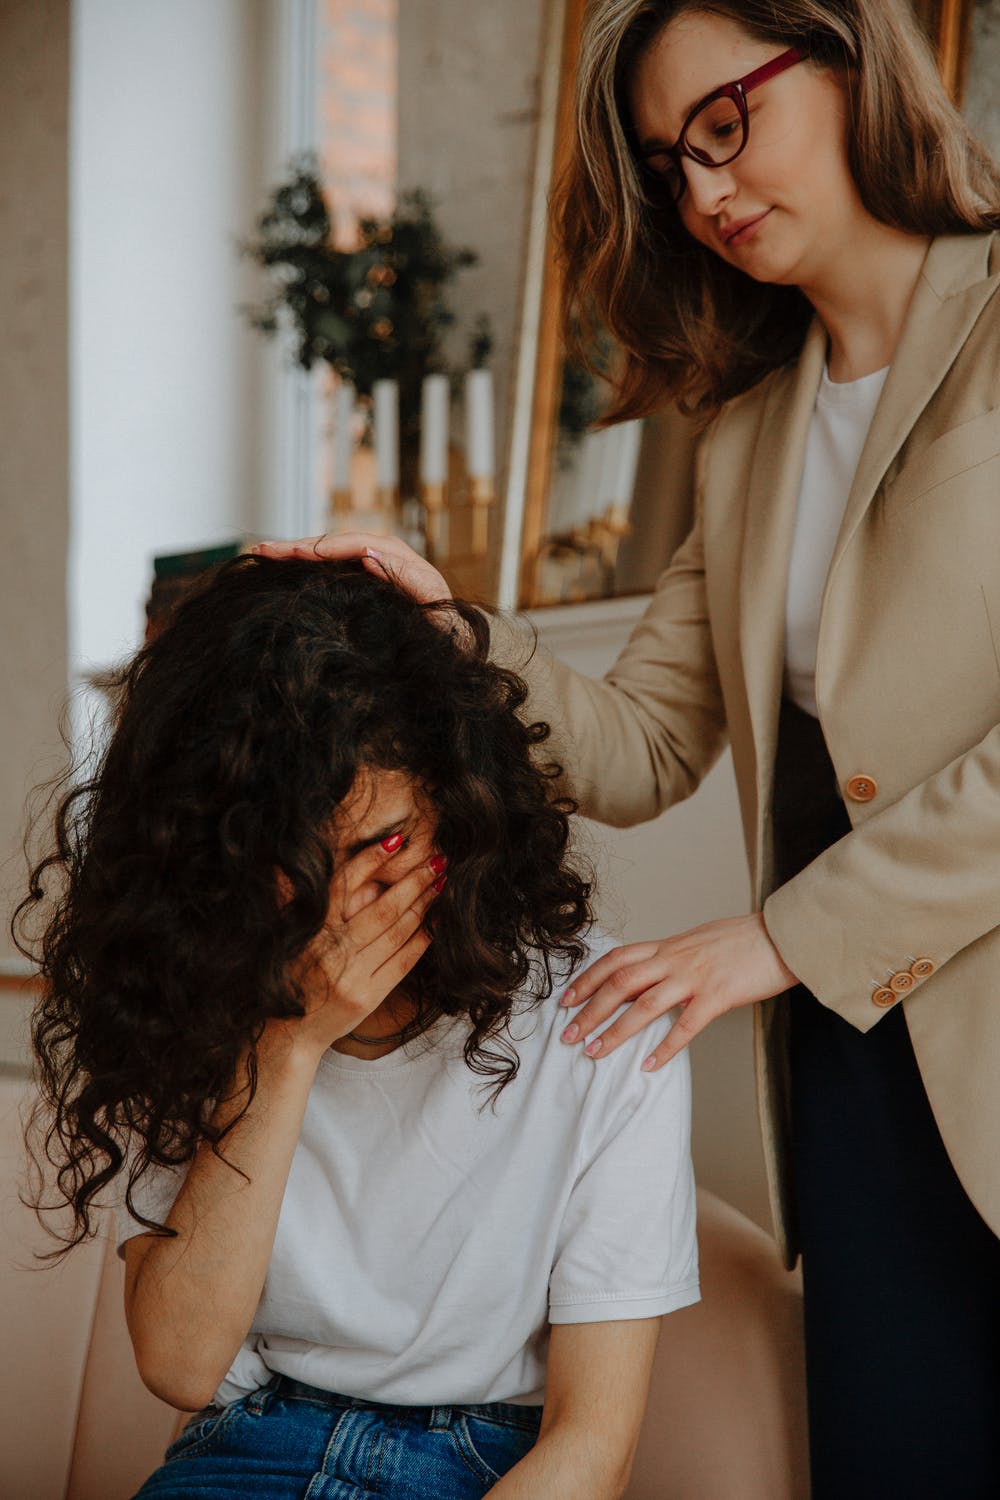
34 439
176 130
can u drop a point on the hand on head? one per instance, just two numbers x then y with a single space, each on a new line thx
384 556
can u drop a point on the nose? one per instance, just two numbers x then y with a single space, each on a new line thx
708 188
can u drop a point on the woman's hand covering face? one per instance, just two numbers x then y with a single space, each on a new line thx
386 880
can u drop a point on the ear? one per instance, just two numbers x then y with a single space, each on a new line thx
285 888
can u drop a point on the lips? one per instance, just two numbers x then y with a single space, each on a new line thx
741 230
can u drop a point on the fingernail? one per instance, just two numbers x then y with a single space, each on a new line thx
438 863
440 883
392 843
649 1065
571 1033
568 998
594 1048
370 552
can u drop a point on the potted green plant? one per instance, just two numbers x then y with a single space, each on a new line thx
375 311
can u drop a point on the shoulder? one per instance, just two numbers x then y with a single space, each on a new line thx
536 1024
957 262
993 253
960 306
614 1083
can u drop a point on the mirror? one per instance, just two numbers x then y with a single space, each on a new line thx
597 515
977 30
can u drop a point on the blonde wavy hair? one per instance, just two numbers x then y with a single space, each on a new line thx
691 328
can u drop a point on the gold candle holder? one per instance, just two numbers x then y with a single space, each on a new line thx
617 521
433 498
341 502
606 532
482 493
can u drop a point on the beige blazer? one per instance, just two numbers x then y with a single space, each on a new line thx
905 908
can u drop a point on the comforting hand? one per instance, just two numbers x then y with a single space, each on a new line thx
369 943
384 555
706 971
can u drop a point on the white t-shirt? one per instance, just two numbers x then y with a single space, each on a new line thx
425 1241
837 432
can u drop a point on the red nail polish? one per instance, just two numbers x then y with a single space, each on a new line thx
439 884
392 843
438 863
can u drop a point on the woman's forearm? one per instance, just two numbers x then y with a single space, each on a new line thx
565 1464
596 1384
190 1299
660 705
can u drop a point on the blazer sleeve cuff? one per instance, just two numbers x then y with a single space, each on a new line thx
790 918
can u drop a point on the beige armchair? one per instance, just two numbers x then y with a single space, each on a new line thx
78 1422
725 1419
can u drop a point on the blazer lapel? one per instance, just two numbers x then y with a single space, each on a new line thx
775 472
953 288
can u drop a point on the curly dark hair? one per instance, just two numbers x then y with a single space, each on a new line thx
164 943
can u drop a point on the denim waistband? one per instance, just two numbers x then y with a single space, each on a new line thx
435 1418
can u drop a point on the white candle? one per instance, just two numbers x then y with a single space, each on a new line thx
434 430
343 435
629 443
479 461
585 476
385 396
604 491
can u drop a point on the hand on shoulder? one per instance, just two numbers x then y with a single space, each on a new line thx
704 972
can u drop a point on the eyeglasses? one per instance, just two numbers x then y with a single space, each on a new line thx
717 129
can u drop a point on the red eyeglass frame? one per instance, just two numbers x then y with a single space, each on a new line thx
737 91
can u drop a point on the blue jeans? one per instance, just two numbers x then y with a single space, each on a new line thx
290 1441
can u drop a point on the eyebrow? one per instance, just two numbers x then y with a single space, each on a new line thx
654 144
651 147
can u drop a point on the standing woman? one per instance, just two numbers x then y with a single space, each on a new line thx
789 229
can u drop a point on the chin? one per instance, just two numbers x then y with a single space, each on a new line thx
768 265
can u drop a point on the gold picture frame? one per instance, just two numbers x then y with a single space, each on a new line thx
948 24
